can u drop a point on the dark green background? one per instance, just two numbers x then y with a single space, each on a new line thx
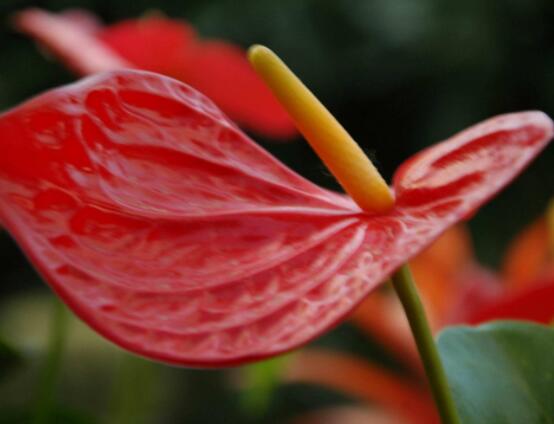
399 74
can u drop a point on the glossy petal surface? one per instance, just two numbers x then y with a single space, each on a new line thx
174 235
171 47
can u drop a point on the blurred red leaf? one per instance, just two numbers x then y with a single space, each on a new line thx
532 303
175 236
404 399
528 257
349 414
218 69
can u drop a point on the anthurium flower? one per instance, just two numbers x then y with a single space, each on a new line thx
175 236
217 68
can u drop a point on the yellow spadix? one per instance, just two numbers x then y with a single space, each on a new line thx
340 153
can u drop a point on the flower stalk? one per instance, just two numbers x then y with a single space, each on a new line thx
406 290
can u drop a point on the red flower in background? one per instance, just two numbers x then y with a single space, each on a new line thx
171 233
531 255
171 47
527 277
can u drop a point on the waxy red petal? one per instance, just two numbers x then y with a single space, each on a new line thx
171 47
174 235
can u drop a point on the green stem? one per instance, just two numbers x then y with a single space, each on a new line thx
50 374
136 391
407 292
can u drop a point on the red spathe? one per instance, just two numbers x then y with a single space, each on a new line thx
175 236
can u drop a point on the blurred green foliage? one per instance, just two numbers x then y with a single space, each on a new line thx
10 360
399 74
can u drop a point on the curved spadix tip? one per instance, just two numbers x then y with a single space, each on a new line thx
256 50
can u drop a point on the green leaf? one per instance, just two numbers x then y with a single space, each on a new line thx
502 372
